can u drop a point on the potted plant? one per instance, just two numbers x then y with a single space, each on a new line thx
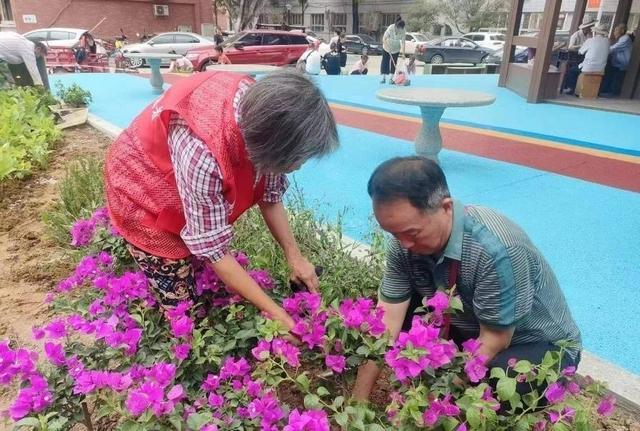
72 109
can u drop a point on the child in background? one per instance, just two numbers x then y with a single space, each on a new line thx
181 65
222 57
360 68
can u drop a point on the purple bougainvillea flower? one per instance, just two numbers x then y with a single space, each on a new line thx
308 420
38 333
540 425
336 362
512 362
181 351
242 259
439 302
261 351
286 351
262 278
555 393
573 388
56 329
209 427
215 400
232 368
476 368
55 353
82 232
439 408
607 406
569 371
462 427
471 346
182 326
176 393
211 383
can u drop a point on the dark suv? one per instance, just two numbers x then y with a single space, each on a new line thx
362 44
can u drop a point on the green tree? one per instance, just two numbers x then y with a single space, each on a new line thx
470 15
243 13
422 15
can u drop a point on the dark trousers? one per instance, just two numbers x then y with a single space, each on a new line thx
612 81
387 66
357 72
22 77
571 79
532 352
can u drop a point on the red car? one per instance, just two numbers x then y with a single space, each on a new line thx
272 47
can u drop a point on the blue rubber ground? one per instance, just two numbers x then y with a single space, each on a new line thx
588 232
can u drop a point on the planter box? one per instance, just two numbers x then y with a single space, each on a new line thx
68 116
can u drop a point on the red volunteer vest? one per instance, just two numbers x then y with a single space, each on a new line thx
142 195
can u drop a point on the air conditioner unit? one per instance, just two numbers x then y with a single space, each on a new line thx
160 10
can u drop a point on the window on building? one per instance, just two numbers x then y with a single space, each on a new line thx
561 19
263 18
339 21
6 14
317 22
634 21
606 19
388 19
296 19
362 23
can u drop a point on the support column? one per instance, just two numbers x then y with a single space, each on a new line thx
543 51
578 15
515 17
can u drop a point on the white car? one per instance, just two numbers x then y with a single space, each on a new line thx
167 43
412 40
60 37
491 40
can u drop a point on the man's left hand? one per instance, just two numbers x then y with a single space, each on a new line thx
303 272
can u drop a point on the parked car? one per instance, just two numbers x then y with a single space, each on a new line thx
453 50
167 43
272 47
491 40
362 44
62 37
412 40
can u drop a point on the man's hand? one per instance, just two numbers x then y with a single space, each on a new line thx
303 272
493 341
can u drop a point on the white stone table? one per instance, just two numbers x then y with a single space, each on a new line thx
154 60
432 103
245 69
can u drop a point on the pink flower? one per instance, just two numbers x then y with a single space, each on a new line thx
181 351
439 302
211 383
215 400
573 388
471 346
607 406
55 353
287 351
209 427
555 393
540 426
38 333
439 408
176 393
56 329
569 371
309 420
512 362
182 326
261 351
462 427
336 362
242 259
475 368
232 368
82 232
262 278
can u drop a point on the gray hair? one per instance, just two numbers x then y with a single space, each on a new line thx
622 26
285 120
417 179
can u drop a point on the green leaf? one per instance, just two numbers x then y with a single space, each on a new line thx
473 417
523 367
456 304
363 350
497 373
198 420
506 387
559 427
28 422
312 401
322 391
338 402
176 421
341 419
303 380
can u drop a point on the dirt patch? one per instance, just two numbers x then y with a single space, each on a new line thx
31 264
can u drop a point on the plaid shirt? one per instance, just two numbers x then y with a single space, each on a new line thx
207 231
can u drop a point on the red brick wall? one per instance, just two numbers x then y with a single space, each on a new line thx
133 16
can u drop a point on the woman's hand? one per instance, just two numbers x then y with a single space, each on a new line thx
303 272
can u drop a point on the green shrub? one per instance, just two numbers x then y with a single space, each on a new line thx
74 95
27 132
81 193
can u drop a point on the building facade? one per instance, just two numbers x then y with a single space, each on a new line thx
109 16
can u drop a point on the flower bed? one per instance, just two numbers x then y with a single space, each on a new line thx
219 364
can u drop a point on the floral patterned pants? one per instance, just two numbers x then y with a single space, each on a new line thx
172 280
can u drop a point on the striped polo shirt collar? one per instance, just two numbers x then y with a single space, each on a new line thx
453 250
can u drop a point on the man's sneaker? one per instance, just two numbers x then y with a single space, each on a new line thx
567 91
383 80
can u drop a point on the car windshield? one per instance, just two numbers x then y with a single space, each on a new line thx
497 37
366 38
420 37
231 40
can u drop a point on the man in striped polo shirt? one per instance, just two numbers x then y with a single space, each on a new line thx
511 297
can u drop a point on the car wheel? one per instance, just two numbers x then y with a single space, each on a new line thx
437 59
135 63
203 68
365 51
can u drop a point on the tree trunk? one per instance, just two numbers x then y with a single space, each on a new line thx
356 17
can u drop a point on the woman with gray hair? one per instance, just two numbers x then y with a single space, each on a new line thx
190 164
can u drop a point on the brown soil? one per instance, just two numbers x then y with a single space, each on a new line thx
30 263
